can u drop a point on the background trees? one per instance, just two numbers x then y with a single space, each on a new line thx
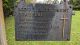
76 4
8 6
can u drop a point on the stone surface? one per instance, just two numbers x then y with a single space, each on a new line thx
42 22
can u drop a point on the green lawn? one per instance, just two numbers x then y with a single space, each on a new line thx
75 35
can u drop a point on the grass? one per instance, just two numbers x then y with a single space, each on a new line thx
75 35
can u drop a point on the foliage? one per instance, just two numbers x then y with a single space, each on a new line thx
8 6
76 4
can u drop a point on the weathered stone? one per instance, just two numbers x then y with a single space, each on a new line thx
42 21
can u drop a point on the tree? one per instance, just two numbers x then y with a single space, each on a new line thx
8 6
76 4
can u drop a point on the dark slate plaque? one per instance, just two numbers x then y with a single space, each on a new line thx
40 22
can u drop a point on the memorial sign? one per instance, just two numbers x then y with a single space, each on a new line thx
42 22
